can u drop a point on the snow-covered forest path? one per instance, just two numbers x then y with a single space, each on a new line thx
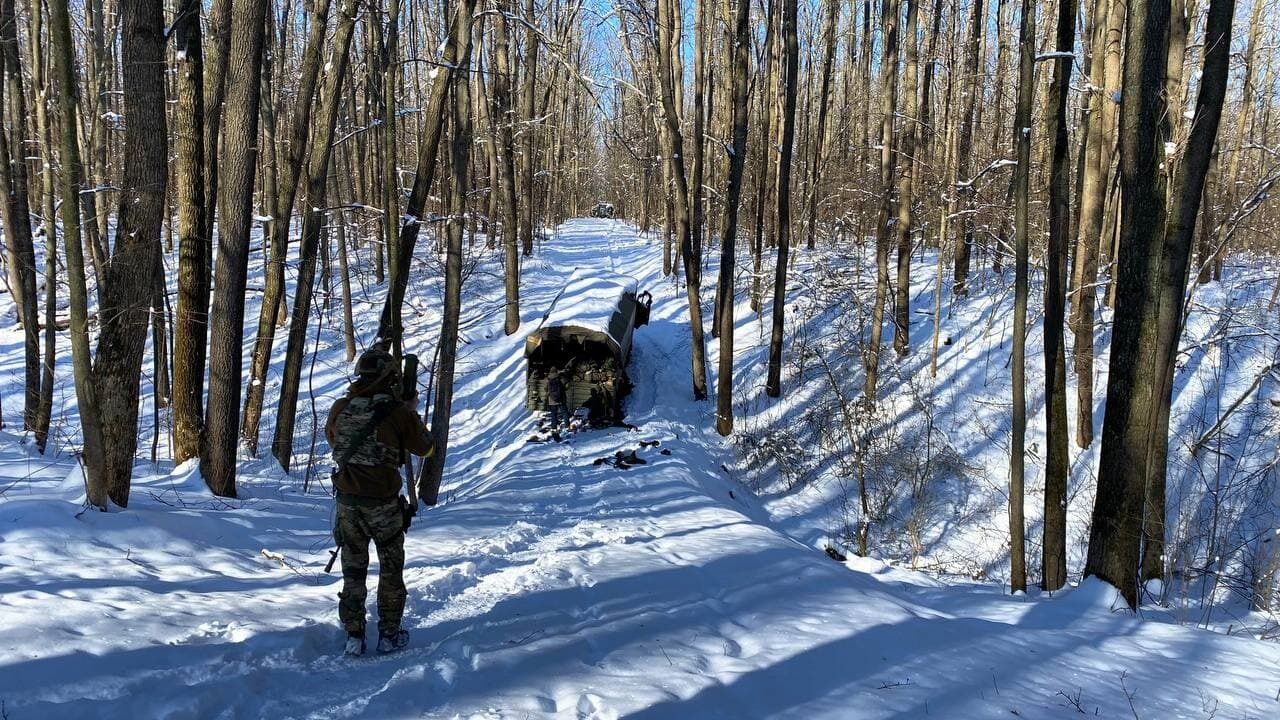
545 585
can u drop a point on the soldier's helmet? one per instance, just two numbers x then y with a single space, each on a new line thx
375 363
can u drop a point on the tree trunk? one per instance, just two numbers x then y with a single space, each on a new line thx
884 227
459 150
530 86
673 141
48 191
15 209
191 325
235 198
70 187
458 45
131 275
1115 533
767 76
1022 186
1093 195
791 61
215 93
313 222
964 164
282 214
505 119
904 226
1187 191
701 27
739 41
1054 565
832 13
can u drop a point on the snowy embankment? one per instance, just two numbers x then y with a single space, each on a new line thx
546 585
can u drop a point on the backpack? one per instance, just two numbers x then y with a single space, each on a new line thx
355 439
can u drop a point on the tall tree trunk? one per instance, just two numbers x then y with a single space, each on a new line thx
1244 123
964 166
673 140
832 13
15 209
1093 195
1187 191
235 199
459 150
48 221
739 41
457 46
767 75
313 222
884 227
701 27
1115 533
905 225
1022 185
215 93
273 292
131 275
530 144
191 325
505 119
791 62
44 410
70 187
391 71
1054 565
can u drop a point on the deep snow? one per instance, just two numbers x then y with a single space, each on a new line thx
545 585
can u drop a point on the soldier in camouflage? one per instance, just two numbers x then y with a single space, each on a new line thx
371 430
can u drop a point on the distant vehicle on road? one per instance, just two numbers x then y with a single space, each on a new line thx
586 337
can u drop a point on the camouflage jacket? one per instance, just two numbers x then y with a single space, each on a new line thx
373 469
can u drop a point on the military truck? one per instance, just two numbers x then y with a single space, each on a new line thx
586 336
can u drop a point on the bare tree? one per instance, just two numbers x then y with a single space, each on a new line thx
1022 185
459 151
1054 566
15 209
235 196
738 40
1116 531
192 322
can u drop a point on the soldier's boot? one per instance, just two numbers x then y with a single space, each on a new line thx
391 643
355 645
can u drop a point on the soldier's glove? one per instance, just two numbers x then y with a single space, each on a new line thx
407 511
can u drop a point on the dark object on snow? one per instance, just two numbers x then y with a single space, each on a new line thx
603 210
835 554
621 460
665 451
650 443
579 354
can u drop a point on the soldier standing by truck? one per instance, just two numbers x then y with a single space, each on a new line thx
371 430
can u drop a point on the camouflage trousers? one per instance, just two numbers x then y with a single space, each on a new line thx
354 527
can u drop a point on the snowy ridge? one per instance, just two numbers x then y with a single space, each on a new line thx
548 586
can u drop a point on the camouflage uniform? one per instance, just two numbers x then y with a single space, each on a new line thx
370 431
355 526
